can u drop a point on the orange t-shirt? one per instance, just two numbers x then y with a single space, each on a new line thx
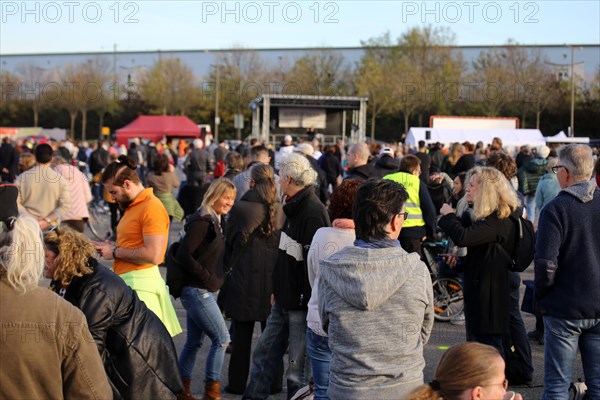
145 216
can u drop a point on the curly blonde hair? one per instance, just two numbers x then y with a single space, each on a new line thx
495 194
73 250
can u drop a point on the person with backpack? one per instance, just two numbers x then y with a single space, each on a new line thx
529 175
486 274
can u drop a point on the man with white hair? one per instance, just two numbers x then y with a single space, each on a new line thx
321 185
305 214
197 165
567 275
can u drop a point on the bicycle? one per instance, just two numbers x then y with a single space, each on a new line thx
99 221
448 298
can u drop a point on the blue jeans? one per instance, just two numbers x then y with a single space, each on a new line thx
317 347
530 206
203 318
561 339
284 327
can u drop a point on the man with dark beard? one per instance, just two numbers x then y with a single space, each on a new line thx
142 235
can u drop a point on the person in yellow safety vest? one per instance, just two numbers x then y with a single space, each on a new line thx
420 223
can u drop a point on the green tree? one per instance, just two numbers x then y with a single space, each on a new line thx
434 67
169 87
372 76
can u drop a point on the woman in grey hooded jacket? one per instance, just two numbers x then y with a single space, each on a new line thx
371 293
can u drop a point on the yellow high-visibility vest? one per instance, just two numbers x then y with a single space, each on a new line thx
412 184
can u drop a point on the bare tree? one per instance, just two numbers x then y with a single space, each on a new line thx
32 88
320 72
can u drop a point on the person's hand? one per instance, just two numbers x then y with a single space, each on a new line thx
450 259
104 249
43 224
437 178
446 209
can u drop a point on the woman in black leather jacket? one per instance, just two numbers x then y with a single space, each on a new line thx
138 354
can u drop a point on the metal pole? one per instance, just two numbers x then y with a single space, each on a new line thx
217 120
572 91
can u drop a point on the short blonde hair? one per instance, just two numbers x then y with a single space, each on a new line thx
495 195
297 168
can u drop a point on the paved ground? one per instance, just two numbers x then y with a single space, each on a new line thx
443 336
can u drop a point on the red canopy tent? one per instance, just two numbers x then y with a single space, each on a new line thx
158 127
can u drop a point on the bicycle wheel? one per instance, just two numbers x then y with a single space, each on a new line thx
447 298
99 222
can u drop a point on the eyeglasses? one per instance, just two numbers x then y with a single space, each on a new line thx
556 168
404 214
504 384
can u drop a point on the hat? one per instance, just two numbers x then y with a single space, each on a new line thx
8 199
544 151
305 148
287 139
387 151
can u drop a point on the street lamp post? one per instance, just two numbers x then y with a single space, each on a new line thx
217 119
572 72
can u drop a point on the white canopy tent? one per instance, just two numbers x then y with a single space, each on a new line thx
510 137
560 137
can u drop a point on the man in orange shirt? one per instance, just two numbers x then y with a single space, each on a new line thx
142 236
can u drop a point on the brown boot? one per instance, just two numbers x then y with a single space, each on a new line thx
186 394
212 390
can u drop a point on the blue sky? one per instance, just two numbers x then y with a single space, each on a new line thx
81 26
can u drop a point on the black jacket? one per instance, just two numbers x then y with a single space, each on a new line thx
304 215
464 163
322 185
486 282
138 354
197 167
250 285
387 165
201 251
363 172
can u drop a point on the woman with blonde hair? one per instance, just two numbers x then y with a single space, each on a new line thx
454 154
467 371
200 254
139 356
486 275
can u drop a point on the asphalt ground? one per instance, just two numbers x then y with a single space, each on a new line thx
444 335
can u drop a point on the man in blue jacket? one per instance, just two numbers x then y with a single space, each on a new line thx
567 275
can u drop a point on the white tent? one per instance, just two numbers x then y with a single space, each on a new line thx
510 137
560 137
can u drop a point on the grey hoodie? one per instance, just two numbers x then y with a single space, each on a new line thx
377 307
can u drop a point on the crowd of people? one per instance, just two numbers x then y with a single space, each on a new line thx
319 245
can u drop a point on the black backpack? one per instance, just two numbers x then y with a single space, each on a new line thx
522 254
